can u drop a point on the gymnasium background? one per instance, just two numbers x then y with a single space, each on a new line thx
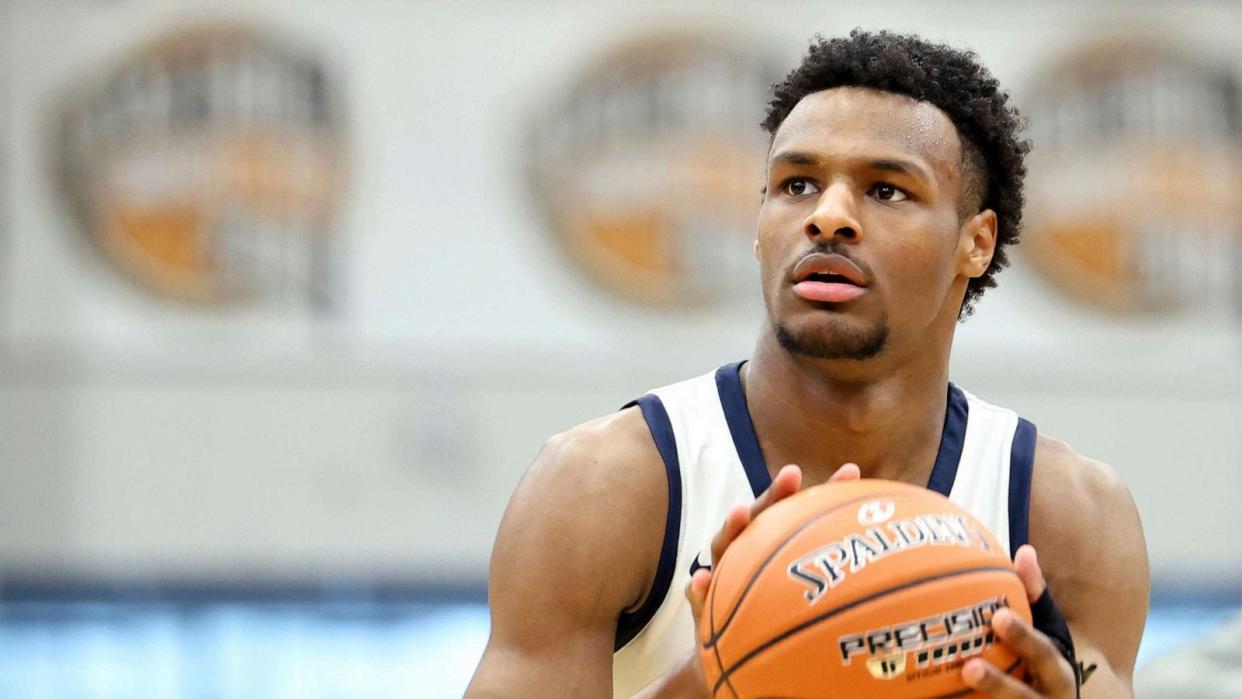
291 293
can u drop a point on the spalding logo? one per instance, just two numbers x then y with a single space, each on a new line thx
875 512
825 567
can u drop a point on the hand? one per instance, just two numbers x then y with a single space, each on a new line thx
1050 673
787 482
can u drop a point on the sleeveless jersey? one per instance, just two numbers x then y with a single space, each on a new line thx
703 431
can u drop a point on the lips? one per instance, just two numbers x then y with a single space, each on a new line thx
828 278
828 267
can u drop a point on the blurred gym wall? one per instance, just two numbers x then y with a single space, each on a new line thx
295 290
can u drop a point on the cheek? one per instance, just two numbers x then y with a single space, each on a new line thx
923 268
771 244
770 271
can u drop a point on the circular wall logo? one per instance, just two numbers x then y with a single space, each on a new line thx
648 170
208 166
1136 178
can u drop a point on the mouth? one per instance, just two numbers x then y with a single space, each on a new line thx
828 278
828 292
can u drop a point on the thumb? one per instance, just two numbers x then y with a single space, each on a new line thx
696 593
1027 564
847 472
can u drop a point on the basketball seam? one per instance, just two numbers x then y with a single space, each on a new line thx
711 618
716 634
724 677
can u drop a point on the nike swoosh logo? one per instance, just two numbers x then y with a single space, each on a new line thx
696 565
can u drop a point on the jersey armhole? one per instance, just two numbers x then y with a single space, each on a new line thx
630 624
1021 466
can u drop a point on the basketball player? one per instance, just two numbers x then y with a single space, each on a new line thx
894 186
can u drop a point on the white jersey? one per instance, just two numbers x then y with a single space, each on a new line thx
704 433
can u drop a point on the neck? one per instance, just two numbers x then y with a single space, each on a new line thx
885 415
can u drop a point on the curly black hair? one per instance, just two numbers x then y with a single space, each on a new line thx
955 82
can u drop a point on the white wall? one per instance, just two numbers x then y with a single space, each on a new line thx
141 437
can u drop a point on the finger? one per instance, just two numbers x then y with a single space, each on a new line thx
985 677
733 525
788 481
1026 561
696 592
1043 660
848 472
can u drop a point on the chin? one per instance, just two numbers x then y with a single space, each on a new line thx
833 338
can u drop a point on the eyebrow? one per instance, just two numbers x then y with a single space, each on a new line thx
795 158
904 167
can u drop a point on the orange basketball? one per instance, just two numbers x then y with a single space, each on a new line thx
860 589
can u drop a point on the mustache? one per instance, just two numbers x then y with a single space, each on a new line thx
834 248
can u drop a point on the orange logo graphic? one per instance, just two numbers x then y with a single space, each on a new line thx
648 170
208 167
1136 179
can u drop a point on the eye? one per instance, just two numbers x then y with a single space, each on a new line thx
799 187
887 192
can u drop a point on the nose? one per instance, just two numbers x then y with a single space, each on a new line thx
835 214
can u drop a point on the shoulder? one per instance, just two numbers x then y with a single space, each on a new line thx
1083 523
1068 482
578 545
1069 490
594 499
611 458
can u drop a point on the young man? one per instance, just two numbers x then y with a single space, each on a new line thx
894 186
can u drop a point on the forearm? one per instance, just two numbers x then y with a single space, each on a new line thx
1107 661
1104 684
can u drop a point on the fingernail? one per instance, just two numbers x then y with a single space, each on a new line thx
973 672
1000 620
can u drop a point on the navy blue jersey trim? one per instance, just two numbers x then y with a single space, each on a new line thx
737 415
629 624
1021 466
952 439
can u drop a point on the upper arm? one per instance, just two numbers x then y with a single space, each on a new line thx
1086 530
578 545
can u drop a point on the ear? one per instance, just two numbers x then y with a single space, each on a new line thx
976 244
756 250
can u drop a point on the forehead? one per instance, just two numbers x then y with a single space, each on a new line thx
852 121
